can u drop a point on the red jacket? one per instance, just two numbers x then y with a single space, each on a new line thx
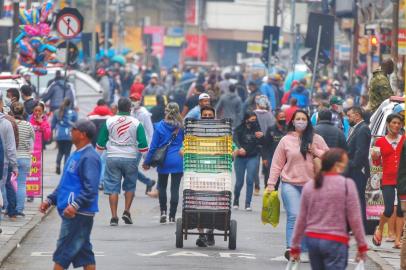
390 160
289 113
137 88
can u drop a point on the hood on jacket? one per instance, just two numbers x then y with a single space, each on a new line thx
299 89
164 127
101 110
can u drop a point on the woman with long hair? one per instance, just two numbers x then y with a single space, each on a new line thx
165 130
293 162
62 124
387 152
26 138
248 137
329 204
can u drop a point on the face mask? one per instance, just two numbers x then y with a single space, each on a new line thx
136 104
339 109
7 101
251 125
300 125
282 122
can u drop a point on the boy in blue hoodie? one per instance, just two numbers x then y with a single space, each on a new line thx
76 199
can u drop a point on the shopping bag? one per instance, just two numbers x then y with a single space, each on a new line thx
293 265
13 181
270 208
360 266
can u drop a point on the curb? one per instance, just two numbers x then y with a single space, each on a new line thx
20 235
374 256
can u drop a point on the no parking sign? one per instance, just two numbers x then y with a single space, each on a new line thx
69 23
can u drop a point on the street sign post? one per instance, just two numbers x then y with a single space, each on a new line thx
270 41
69 24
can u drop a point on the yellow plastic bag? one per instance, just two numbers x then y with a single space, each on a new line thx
270 208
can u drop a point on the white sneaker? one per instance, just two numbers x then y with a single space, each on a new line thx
235 207
304 257
248 209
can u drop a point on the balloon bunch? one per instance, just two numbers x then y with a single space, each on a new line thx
36 45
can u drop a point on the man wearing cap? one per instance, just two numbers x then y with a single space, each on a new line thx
153 87
380 89
338 119
76 199
144 116
204 100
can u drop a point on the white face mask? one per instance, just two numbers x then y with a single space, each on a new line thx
136 105
300 125
7 101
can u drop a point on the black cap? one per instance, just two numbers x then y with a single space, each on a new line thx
86 126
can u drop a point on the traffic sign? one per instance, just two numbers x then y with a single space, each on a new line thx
69 23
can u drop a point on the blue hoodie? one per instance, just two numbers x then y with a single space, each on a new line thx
79 185
63 126
162 134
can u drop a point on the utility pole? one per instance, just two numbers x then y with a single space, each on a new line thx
395 33
106 27
292 33
94 41
16 22
355 39
275 12
268 13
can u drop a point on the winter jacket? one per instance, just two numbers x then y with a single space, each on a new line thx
29 106
137 88
79 185
230 106
249 104
174 161
57 92
380 89
144 116
244 137
9 143
63 126
333 136
302 96
272 137
44 128
101 110
154 90
265 119
194 113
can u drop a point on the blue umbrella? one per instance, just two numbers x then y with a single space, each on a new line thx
118 59
297 75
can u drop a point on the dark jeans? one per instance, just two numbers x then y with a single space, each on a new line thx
326 254
388 193
360 180
11 195
162 184
64 148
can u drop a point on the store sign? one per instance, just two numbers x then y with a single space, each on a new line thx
254 47
402 42
173 41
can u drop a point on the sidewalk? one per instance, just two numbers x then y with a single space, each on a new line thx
387 257
14 232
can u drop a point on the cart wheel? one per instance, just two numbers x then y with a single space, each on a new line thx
232 240
179 233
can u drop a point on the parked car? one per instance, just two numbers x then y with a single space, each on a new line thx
373 193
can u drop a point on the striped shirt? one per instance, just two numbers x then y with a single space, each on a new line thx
26 138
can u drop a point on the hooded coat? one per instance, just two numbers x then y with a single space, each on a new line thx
230 106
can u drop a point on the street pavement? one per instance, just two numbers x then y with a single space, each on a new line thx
149 245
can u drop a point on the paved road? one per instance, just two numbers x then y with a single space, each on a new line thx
150 245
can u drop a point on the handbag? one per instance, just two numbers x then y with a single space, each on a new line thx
159 156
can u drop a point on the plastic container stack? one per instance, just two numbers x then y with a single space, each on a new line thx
207 164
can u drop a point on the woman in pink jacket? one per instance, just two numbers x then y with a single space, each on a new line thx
328 206
293 163
41 126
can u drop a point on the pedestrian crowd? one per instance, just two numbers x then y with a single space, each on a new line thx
313 146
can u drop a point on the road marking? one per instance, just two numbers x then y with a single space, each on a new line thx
49 254
156 253
189 254
238 255
279 259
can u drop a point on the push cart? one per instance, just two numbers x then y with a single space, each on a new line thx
207 181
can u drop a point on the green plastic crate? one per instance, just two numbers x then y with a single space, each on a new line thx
207 163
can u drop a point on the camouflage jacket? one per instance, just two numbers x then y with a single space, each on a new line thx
380 89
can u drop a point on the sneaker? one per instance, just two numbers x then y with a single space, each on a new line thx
171 220
248 208
150 186
101 187
287 254
235 206
163 218
21 214
114 221
304 257
127 217
201 241
210 238
58 170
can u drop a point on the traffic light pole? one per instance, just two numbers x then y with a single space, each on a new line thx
316 60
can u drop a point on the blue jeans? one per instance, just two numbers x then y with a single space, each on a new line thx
142 176
73 245
103 167
11 195
116 169
24 165
291 201
326 254
242 164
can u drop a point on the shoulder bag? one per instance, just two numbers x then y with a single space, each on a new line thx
159 156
